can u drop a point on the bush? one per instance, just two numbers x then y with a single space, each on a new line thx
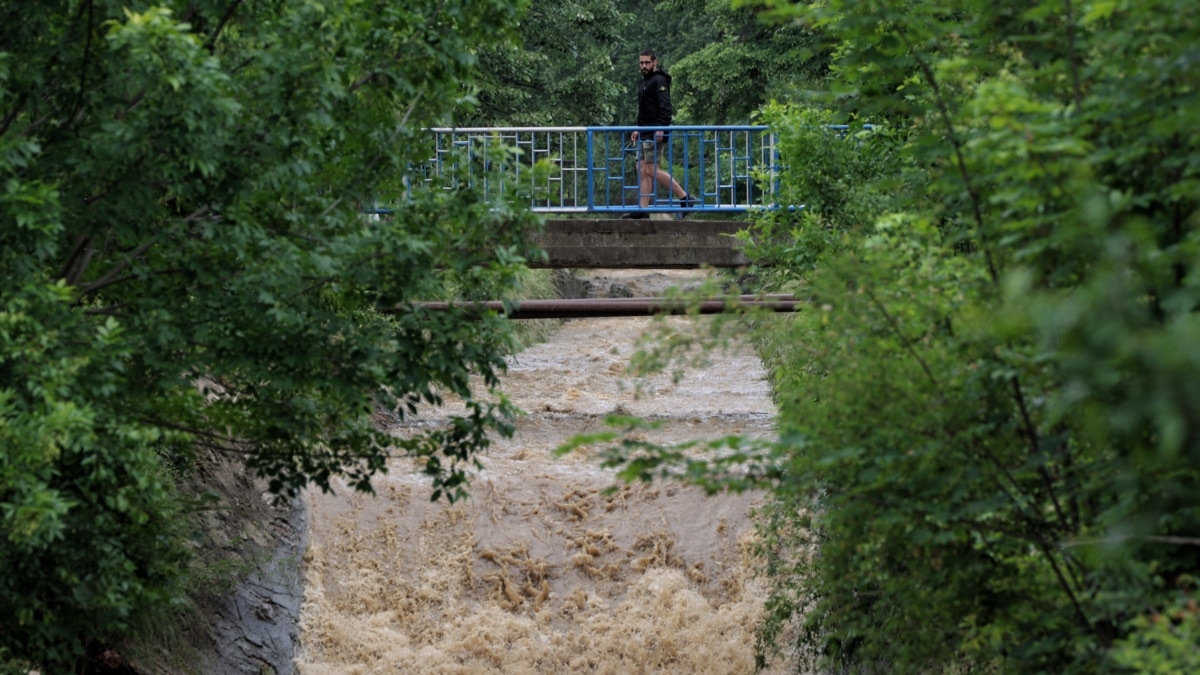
990 410
989 446
88 516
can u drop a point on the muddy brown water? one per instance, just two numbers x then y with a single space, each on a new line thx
540 571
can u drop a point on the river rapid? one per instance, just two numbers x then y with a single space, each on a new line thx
540 571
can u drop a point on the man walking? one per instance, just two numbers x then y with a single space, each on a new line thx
654 110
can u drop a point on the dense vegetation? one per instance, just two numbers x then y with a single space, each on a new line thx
989 445
995 406
184 265
575 62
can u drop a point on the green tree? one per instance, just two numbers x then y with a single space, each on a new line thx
725 60
1026 486
667 29
557 72
989 416
744 63
184 260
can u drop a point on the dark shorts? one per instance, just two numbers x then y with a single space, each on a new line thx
650 152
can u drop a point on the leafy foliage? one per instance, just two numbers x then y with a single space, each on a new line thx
1002 309
574 62
185 261
989 414
725 61
88 514
557 72
743 63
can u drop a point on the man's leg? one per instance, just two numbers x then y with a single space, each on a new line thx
685 200
647 166
646 187
668 182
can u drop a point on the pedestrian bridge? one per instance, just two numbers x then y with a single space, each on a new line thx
593 170
588 178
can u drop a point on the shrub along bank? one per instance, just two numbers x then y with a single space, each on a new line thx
990 415
989 441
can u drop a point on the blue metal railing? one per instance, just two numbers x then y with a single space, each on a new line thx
594 169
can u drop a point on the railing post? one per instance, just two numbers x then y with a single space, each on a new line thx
591 171
774 155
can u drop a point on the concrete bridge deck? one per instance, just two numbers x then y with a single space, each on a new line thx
641 244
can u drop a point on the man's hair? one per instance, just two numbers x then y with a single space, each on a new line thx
650 53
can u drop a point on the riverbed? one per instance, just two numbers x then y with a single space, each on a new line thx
542 570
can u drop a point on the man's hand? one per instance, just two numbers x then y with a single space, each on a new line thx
658 136
633 137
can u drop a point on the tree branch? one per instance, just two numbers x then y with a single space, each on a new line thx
89 200
370 165
363 80
37 123
133 103
959 160
1106 640
87 50
1073 57
900 334
1012 496
105 311
11 116
1037 536
81 269
192 430
104 283
1032 436
211 43
325 280
109 280
80 242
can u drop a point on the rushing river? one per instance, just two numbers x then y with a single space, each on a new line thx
540 571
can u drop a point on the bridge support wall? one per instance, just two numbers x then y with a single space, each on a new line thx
641 244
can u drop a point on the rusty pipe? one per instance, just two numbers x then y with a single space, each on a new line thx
615 307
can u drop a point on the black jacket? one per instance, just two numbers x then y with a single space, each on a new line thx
654 102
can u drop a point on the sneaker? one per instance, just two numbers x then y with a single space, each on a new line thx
688 202
635 215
